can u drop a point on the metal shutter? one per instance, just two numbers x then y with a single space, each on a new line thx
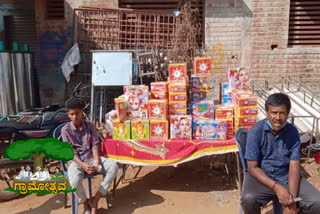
304 25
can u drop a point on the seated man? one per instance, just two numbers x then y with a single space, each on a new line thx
273 158
22 174
83 137
37 175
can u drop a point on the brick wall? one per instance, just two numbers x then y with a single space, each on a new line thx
256 32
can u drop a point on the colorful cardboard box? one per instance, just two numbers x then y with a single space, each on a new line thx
159 86
121 130
248 127
177 111
140 129
246 111
223 112
202 83
138 115
226 101
120 108
177 97
180 126
159 130
160 95
202 65
226 92
177 73
178 105
244 98
202 95
158 109
209 129
203 110
245 120
177 88
136 97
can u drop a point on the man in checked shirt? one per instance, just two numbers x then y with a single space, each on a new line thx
83 137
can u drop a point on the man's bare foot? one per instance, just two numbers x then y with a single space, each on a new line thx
86 206
93 202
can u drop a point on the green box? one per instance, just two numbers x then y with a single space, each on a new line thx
140 129
121 130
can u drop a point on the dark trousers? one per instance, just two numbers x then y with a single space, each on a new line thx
255 195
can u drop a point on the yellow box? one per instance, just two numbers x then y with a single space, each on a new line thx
246 111
177 88
178 97
223 112
140 129
244 98
121 130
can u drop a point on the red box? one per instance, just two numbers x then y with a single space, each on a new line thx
159 130
177 97
244 98
159 95
178 105
159 86
177 73
121 109
223 112
202 65
158 109
245 120
177 88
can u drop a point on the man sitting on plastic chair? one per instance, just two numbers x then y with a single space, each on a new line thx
273 158
83 137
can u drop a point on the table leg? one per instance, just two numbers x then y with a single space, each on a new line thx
239 172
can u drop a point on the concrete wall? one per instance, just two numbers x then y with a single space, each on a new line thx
247 29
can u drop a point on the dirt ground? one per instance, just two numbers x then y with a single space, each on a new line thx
200 186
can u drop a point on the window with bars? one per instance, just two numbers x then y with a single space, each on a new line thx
304 24
166 5
55 9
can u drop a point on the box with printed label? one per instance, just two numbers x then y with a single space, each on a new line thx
226 101
136 97
180 126
177 97
248 127
177 73
230 133
158 109
159 86
177 88
121 130
137 115
244 98
178 105
159 130
223 112
202 95
245 120
159 95
140 129
120 108
202 65
246 111
228 121
209 129
203 110
177 111
202 83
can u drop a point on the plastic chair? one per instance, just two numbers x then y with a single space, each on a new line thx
74 200
241 140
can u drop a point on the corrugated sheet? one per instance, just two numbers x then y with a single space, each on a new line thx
304 26
55 9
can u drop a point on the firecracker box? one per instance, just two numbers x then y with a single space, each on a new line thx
202 65
244 120
177 73
177 111
244 98
177 97
230 133
140 129
136 97
137 115
159 86
223 112
202 95
203 110
248 127
209 129
160 95
226 101
120 108
228 121
177 88
226 91
180 126
178 105
158 109
202 83
246 111
121 130
159 130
